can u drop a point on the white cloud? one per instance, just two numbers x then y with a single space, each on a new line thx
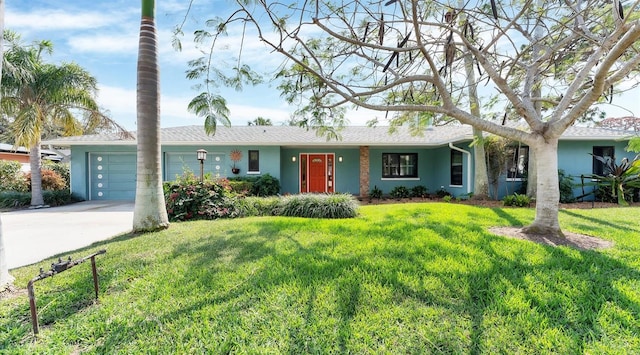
105 43
59 20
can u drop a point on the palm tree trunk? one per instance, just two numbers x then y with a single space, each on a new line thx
150 211
35 160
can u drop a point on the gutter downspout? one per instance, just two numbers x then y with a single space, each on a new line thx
468 164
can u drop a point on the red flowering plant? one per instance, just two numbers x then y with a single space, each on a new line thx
187 198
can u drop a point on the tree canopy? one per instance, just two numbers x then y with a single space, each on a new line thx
545 63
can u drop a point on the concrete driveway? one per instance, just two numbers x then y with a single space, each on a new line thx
33 235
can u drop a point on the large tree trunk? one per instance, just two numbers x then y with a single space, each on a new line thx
150 210
35 160
548 196
481 177
532 175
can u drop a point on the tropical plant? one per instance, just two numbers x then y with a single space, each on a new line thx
36 95
260 121
619 177
399 192
375 193
419 191
149 212
566 187
517 200
549 62
318 206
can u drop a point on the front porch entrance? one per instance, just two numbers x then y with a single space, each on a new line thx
317 172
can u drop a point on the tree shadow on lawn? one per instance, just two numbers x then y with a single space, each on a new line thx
465 292
598 221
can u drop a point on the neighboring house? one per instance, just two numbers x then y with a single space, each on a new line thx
21 155
104 166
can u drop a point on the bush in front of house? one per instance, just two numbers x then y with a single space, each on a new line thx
258 206
12 178
263 185
318 206
187 198
50 180
419 191
375 193
516 200
399 192
62 169
565 184
241 186
266 185
15 199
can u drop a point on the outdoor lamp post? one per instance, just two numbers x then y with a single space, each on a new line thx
202 156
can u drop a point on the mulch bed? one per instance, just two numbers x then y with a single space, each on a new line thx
573 240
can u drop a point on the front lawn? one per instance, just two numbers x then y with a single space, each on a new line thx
411 278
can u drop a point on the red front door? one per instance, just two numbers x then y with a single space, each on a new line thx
316 173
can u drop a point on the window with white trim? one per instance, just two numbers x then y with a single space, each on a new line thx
456 167
399 165
254 161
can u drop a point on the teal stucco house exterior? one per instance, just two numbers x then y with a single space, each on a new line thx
103 167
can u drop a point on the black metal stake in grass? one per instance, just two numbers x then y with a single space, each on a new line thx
57 268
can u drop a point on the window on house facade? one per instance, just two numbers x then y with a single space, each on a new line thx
456 168
519 164
603 151
399 165
254 161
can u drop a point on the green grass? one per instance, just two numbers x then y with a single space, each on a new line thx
413 278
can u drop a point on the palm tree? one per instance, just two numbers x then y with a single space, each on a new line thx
260 121
37 95
150 211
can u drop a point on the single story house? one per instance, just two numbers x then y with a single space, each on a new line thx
103 167
21 154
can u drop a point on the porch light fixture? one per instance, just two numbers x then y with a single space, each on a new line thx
340 159
202 156
293 158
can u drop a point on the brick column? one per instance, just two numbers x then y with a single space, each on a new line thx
364 171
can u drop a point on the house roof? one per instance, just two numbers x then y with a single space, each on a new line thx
296 136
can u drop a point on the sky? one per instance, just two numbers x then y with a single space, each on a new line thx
103 38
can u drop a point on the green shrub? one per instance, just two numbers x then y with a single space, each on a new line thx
62 169
399 192
442 192
318 206
517 200
58 197
566 187
375 193
419 191
11 177
211 199
447 198
257 206
241 187
266 185
15 199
